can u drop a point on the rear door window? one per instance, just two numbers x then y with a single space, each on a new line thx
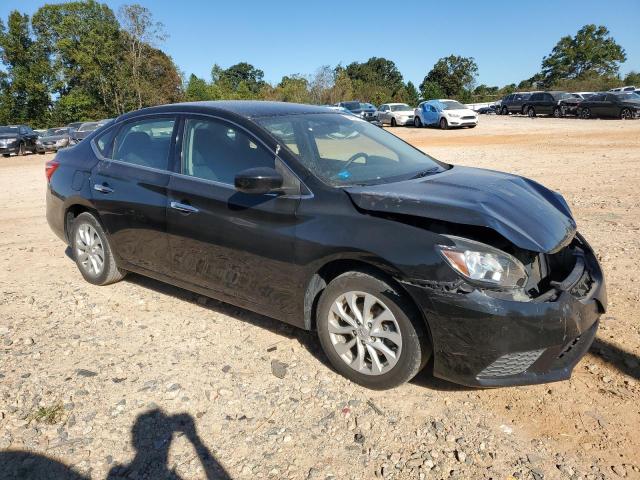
145 143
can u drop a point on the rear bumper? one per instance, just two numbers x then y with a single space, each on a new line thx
482 341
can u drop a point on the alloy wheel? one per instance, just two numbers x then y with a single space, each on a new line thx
364 333
625 114
531 112
89 250
557 112
586 113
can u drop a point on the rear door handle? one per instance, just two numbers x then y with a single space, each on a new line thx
183 207
102 188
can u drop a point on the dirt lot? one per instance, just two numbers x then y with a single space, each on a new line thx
139 378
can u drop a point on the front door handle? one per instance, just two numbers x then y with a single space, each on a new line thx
102 188
183 207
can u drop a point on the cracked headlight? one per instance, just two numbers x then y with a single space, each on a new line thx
484 265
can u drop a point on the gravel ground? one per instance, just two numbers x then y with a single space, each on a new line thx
143 380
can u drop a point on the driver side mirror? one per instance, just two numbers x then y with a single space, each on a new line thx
258 181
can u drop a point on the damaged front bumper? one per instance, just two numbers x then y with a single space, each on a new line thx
483 341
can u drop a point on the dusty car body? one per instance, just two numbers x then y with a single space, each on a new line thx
391 256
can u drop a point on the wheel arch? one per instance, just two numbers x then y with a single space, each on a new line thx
336 267
72 211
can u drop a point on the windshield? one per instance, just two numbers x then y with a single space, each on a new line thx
343 150
351 105
627 96
9 130
451 105
57 131
87 127
367 106
400 108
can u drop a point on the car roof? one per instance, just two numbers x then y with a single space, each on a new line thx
243 108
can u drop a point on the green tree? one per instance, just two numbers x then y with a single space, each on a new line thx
453 76
24 97
591 50
632 78
86 45
239 78
140 34
377 80
197 90
411 95
431 91
293 88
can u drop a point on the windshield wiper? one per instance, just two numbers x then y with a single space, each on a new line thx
425 173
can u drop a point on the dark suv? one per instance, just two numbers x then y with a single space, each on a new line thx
365 111
513 103
545 103
337 226
17 139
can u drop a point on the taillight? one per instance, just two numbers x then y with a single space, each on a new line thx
50 167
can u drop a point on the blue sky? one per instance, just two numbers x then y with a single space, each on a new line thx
508 39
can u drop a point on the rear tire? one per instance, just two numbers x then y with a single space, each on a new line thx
371 360
557 112
585 113
92 252
444 125
626 114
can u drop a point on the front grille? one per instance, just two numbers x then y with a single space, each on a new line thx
468 117
511 364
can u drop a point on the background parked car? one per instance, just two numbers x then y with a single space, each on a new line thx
545 103
395 114
513 103
365 111
623 105
444 113
628 88
490 110
17 139
53 140
83 131
569 105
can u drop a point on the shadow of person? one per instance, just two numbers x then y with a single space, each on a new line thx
151 435
21 465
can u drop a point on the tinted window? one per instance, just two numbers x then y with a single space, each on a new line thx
104 142
597 98
216 151
145 143
536 97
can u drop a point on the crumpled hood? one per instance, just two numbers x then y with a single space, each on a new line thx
531 216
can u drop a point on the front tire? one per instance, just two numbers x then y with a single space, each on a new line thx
21 150
370 332
444 125
585 113
531 112
557 112
505 111
416 122
393 122
92 252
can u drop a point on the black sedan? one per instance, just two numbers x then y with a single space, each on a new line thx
624 105
17 139
326 222
53 140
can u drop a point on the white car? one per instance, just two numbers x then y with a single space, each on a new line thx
395 114
444 113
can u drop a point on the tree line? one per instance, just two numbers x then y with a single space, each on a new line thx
80 60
